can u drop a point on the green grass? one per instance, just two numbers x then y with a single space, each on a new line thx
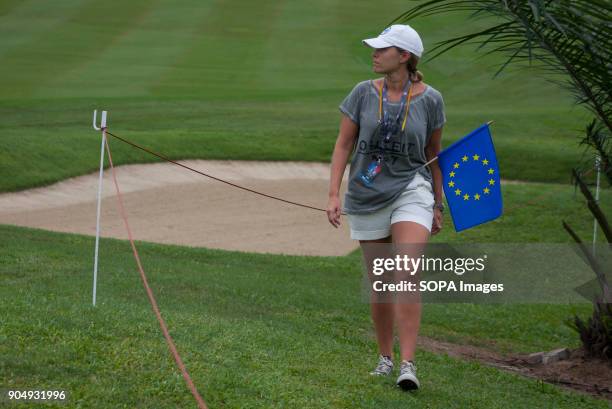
254 330
258 81
532 214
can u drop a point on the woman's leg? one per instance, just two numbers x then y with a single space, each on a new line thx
382 313
408 312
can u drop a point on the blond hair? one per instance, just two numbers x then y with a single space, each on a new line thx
411 65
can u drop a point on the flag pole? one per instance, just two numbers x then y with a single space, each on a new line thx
100 178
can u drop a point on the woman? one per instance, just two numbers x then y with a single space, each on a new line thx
393 127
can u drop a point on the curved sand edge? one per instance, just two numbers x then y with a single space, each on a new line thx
169 204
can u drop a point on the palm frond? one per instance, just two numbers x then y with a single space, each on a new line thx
568 37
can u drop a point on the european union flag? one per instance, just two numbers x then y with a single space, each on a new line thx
471 179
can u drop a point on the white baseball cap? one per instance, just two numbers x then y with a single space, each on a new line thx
399 35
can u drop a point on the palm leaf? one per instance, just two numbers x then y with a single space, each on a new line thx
570 39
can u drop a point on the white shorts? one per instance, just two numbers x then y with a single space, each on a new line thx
415 204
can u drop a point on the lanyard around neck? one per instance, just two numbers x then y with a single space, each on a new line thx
380 103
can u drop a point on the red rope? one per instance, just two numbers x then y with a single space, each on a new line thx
162 323
159 155
163 157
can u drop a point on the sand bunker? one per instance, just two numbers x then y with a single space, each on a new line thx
169 204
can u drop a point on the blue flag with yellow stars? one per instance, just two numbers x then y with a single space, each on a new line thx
471 179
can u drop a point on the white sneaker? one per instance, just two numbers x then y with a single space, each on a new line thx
407 379
384 368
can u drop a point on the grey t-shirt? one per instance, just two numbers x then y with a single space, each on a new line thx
403 154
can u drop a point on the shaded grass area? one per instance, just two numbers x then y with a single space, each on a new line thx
254 330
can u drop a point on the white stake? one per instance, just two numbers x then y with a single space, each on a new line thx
103 129
598 169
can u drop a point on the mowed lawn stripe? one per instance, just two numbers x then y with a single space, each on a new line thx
245 81
224 54
23 22
136 61
80 38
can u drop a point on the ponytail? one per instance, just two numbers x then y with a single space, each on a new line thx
411 65
414 74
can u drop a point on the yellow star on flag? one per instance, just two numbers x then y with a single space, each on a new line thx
491 171
485 162
465 158
458 192
477 196
456 165
491 181
475 157
466 196
451 184
452 174
486 190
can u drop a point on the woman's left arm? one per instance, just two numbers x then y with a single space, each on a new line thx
431 151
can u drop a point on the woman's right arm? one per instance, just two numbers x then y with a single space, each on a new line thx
343 148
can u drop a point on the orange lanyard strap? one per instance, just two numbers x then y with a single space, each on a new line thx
380 103
407 107
380 99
